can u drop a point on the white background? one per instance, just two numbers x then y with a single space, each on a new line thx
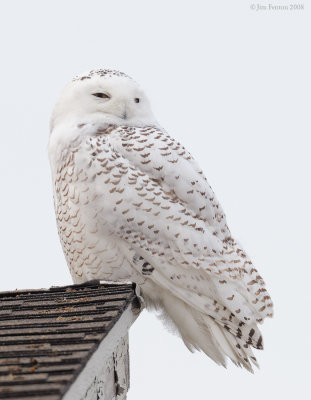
233 85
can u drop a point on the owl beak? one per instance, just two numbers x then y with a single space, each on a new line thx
124 115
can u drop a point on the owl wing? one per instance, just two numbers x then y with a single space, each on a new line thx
165 160
171 167
169 234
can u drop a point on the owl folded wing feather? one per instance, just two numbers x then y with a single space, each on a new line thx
185 255
163 159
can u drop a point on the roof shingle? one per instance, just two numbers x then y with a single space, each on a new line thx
47 336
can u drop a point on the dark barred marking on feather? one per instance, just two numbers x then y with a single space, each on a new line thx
259 343
106 73
147 269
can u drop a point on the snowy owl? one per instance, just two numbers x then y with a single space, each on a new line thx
132 204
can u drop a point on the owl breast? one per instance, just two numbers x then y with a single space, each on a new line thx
91 250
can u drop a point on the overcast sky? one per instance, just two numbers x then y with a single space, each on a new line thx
233 85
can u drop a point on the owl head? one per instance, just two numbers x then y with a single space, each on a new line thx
105 96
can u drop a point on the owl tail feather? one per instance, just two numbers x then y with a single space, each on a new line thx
199 331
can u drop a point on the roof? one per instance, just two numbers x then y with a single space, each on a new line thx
47 336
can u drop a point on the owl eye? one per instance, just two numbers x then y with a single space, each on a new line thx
101 95
136 100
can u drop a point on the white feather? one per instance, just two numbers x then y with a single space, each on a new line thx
132 204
